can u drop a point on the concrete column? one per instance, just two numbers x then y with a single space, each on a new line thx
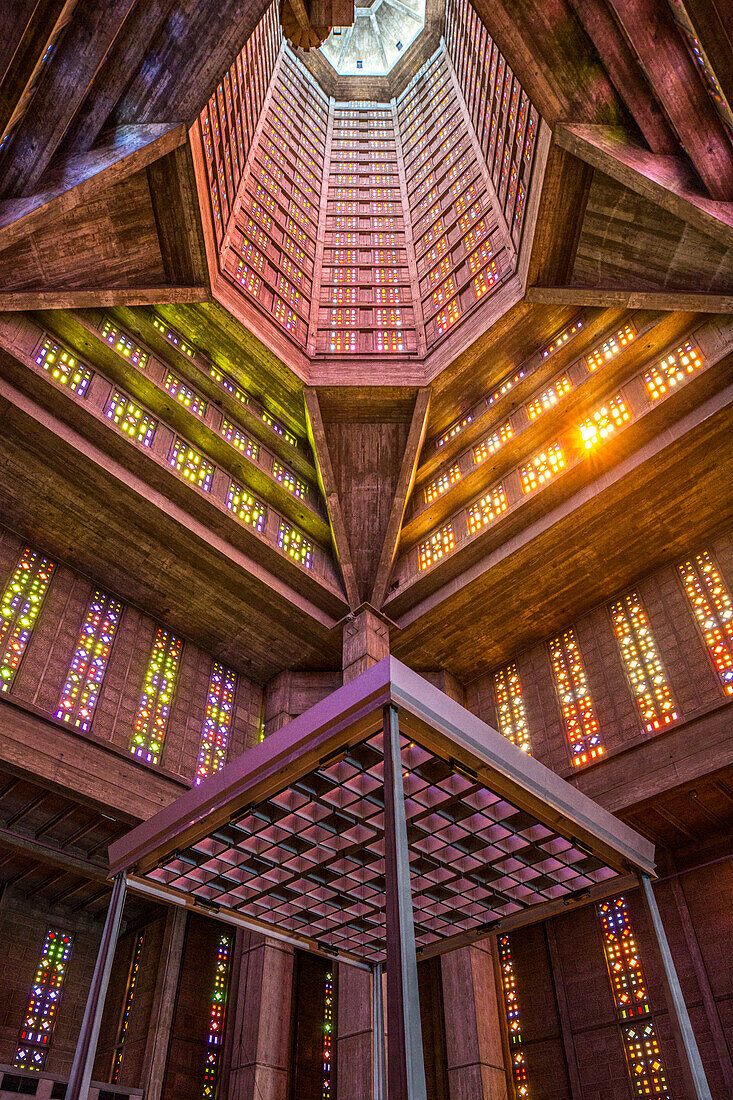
405 1066
164 1002
365 642
86 1044
473 1024
261 1038
379 1082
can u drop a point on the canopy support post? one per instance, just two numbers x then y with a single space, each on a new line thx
405 1064
378 1082
689 1053
86 1045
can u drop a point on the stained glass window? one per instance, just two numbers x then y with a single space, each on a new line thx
562 338
327 1093
514 1027
295 544
185 394
64 367
442 483
486 510
123 344
130 418
641 1045
43 1003
581 728
439 543
611 416
454 430
610 347
155 704
278 428
287 478
672 370
542 468
246 507
217 721
510 707
191 464
492 443
127 1006
447 316
89 663
217 1016
549 397
238 439
174 338
21 603
713 607
642 663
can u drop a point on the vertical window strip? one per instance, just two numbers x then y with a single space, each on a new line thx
217 721
89 663
510 707
641 1046
217 1015
642 663
713 609
155 703
127 1006
327 1093
581 728
21 604
514 1028
43 1002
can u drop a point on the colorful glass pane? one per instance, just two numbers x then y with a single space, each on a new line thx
89 663
514 1027
486 510
713 607
123 344
327 1093
64 367
19 609
641 1046
127 1006
642 663
157 695
510 707
295 544
43 1003
217 721
432 550
581 728
130 418
183 393
191 464
217 1016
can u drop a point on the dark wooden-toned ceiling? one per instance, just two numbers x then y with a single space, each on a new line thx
98 208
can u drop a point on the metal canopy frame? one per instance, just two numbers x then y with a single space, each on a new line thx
469 755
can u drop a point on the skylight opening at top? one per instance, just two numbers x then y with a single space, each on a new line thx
381 33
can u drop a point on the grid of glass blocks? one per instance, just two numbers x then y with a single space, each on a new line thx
310 859
671 371
240 439
492 443
486 510
246 507
123 344
436 546
130 418
64 367
610 347
606 420
510 707
294 543
191 464
542 468
713 607
442 483
183 393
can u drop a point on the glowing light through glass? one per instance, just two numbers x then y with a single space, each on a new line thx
217 1016
510 707
89 663
21 603
642 663
581 728
43 1003
713 608
158 688
514 1027
217 721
